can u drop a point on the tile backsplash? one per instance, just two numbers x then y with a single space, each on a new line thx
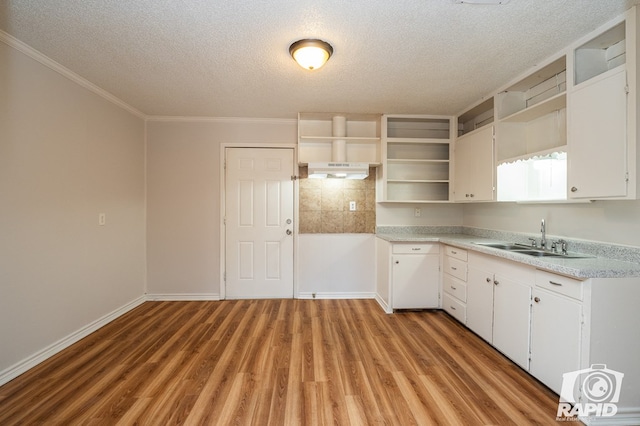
324 205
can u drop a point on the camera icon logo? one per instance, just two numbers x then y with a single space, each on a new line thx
592 391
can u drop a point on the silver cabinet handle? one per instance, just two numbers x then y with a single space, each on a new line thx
453 288
453 268
454 252
452 308
555 283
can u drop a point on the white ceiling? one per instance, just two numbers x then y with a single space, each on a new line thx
220 58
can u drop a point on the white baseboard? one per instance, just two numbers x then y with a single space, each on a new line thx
40 356
624 417
179 297
329 295
384 305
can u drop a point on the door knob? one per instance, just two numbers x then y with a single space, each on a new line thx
289 232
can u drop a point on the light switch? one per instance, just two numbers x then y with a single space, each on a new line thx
102 219
417 212
352 206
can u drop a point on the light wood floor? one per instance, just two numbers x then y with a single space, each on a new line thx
275 362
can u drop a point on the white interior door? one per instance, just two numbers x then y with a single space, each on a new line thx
259 223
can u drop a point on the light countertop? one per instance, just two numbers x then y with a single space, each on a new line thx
591 267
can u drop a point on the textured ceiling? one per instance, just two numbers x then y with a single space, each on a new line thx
230 58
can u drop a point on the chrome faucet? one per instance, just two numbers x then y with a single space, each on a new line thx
543 240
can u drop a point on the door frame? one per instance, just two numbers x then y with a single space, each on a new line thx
223 193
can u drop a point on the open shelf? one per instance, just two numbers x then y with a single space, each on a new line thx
417 154
315 137
601 54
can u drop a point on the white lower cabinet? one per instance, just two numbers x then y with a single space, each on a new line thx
415 276
555 337
498 304
480 302
511 316
408 275
454 283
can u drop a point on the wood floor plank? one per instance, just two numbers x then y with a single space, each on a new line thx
278 362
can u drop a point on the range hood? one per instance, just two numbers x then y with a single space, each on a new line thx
338 170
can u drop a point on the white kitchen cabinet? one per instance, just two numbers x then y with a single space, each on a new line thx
601 119
511 317
416 157
555 337
316 138
480 302
415 276
498 304
454 283
475 166
408 275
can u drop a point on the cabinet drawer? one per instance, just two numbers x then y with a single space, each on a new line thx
416 248
455 287
456 252
559 284
455 267
454 307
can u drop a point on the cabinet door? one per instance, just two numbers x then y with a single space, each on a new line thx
511 319
555 337
598 139
415 281
480 303
474 167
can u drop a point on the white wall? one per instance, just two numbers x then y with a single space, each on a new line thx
607 221
336 265
183 198
66 155
390 214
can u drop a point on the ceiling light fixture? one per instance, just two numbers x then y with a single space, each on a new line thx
311 54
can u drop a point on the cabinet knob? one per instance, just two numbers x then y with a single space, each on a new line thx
574 189
496 282
471 195
536 299
397 262
488 280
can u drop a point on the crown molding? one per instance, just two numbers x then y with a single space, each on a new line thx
221 119
32 53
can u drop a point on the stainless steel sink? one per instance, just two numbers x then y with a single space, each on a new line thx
531 251
506 246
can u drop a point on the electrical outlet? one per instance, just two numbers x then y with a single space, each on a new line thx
352 206
102 219
417 212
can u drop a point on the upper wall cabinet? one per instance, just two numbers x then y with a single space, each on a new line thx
416 157
358 138
474 162
603 105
